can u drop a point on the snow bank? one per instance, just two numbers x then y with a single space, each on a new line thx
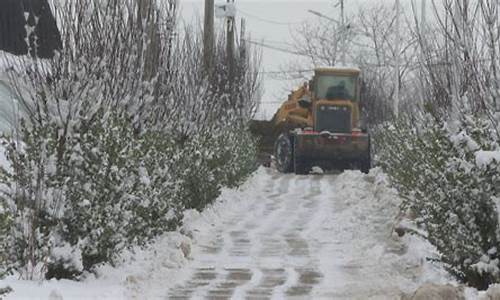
435 291
139 269
391 264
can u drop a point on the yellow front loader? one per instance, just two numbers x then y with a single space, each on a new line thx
319 125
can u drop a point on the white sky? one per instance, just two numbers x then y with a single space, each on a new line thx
273 22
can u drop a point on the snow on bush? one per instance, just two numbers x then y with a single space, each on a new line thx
444 157
123 131
5 223
435 169
485 158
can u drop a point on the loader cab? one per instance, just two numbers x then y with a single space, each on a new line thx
335 99
336 84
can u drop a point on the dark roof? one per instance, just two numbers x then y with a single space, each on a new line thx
13 34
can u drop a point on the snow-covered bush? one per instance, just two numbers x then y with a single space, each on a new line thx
30 195
444 158
242 152
213 160
449 175
118 190
123 131
5 221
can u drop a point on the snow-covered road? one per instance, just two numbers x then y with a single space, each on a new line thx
277 237
316 236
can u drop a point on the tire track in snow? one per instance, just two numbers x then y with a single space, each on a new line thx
360 237
305 266
302 237
221 273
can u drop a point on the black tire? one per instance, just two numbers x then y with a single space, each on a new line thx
300 165
283 153
366 164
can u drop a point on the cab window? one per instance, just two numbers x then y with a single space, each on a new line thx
332 87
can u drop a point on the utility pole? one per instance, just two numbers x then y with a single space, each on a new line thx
397 63
230 46
243 47
343 31
149 26
208 36
423 46
423 20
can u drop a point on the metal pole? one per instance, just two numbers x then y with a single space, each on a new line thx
243 47
230 46
344 32
423 48
208 35
230 55
397 63
423 20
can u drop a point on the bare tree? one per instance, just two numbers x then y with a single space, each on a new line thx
370 45
460 60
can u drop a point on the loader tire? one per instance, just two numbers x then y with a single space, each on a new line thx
300 164
366 164
283 153
301 167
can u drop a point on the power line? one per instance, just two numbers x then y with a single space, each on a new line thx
275 48
287 72
267 20
278 43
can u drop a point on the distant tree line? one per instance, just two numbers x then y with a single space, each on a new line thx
17 17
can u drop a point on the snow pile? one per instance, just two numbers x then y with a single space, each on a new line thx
70 256
144 272
365 214
138 271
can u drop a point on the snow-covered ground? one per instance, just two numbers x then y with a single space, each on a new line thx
319 237
278 236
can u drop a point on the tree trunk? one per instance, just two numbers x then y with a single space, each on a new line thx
149 20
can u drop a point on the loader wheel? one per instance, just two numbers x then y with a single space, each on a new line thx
300 165
366 164
283 153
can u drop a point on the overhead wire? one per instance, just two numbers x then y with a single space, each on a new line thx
267 20
275 47
287 72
